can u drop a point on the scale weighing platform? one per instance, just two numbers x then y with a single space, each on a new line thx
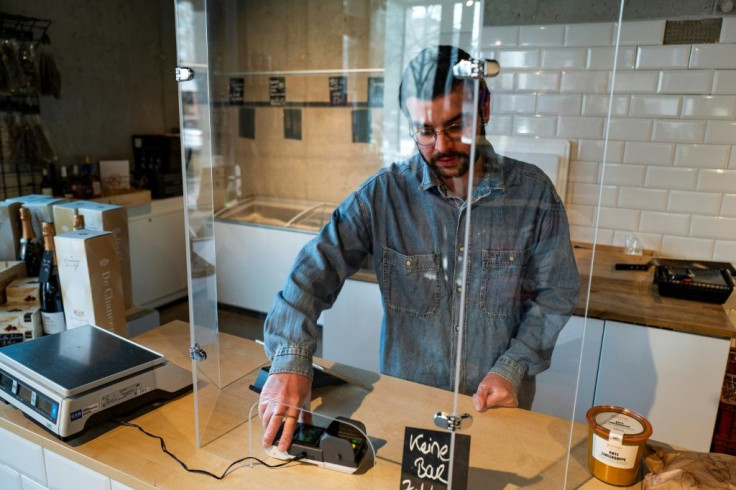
70 381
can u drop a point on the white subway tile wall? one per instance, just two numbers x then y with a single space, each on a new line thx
668 175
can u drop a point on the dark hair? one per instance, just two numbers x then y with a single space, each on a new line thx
429 75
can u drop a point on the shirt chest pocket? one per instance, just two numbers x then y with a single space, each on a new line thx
501 284
411 283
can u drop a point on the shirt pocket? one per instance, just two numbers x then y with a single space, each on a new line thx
411 282
501 283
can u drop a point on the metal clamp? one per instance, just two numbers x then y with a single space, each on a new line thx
476 69
453 422
196 353
184 73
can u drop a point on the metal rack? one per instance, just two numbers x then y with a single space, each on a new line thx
24 145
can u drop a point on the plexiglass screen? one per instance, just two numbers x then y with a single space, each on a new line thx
462 225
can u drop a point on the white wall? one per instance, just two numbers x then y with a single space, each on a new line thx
669 172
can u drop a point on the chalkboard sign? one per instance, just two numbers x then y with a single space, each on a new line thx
425 463
277 90
375 91
338 90
237 89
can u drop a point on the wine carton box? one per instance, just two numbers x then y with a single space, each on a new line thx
19 322
23 291
91 286
105 217
9 271
42 210
9 230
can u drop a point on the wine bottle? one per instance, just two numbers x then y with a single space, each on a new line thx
96 181
31 249
49 289
66 184
46 183
78 220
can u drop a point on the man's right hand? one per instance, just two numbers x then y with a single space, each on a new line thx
282 398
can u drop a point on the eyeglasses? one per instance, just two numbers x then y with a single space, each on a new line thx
427 136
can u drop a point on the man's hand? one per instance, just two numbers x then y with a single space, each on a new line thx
282 398
494 391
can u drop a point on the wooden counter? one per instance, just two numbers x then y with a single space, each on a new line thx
631 297
510 448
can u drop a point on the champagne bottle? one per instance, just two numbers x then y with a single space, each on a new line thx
49 289
77 220
31 249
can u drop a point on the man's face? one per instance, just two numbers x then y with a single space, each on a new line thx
448 156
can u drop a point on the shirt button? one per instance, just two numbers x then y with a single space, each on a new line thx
459 288
408 263
511 258
457 327
462 249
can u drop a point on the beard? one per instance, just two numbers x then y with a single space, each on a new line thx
460 168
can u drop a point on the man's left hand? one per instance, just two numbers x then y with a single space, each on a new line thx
494 391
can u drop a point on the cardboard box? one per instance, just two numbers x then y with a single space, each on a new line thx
9 271
19 323
126 197
115 175
91 286
10 231
102 217
42 210
23 291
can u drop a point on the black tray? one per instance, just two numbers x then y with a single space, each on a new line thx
709 285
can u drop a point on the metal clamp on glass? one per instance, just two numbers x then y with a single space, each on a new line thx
184 73
453 422
476 69
196 353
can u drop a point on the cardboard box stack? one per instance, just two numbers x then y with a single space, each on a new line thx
20 316
91 283
9 230
101 217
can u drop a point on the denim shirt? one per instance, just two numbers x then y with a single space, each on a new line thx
521 287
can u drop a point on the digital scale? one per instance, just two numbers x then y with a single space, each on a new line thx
75 379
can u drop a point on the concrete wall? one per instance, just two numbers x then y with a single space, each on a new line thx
116 59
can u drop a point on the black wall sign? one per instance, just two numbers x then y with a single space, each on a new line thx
293 124
277 90
338 90
375 91
425 463
237 89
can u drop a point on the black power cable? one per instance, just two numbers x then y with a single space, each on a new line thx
205 472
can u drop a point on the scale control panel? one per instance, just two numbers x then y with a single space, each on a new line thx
15 392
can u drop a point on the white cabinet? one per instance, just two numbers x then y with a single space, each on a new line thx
672 378
158 252
253 263
352 327
556 388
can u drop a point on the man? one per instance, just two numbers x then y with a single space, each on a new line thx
522 283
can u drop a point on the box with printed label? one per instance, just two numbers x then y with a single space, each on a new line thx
9 230
104 217
91 286
42 209
19 323
23 290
